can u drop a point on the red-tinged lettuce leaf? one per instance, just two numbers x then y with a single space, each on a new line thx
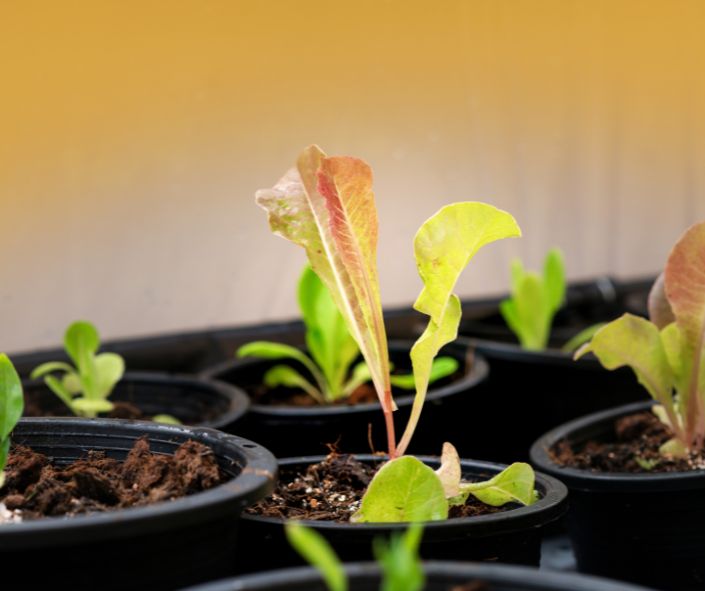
327 206
684 280
443 246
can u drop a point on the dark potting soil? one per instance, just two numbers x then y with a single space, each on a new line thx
634 448
33 407
332 491
261 394
37 488
281 396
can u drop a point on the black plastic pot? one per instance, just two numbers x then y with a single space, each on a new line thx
645 528
512 536
528 393
194 401
290 430
161 546
440 576
191 352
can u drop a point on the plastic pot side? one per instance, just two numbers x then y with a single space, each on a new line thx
289 430
159 546
194 401
510 536
645 528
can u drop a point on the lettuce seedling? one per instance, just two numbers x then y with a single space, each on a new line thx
398 558
333 351
11 407
326 205
534 301
667 352
86 387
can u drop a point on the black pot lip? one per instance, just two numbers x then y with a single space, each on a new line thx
525 578
585 480
479 370
255 481
514 352
238 401
551 506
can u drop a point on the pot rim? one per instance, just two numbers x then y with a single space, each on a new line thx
479 370
514 352
551 506
527 579
591 481
255 480
238 401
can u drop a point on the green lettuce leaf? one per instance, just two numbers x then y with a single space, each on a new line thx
443 247
404 489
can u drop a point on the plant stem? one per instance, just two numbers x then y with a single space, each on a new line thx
391 437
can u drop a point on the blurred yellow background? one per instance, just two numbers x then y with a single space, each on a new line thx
133 135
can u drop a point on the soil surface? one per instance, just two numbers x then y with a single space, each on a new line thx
363 394
35 405
633 448
332 491
291 397
35 488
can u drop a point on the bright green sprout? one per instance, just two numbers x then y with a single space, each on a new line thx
398 558
534 301
85 388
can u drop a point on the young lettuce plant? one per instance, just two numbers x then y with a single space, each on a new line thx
11 407
326 205
86 387
534 301
333 351
398 558
667 352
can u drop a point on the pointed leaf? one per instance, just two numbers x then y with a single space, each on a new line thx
399 560
554 279
327 337
316 550
11 397
327 206
404 489
533 312
443 246
514 484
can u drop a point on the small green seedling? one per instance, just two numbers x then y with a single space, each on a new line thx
333 351
326 205
11 407
86 387
667 352
398 558
534 301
